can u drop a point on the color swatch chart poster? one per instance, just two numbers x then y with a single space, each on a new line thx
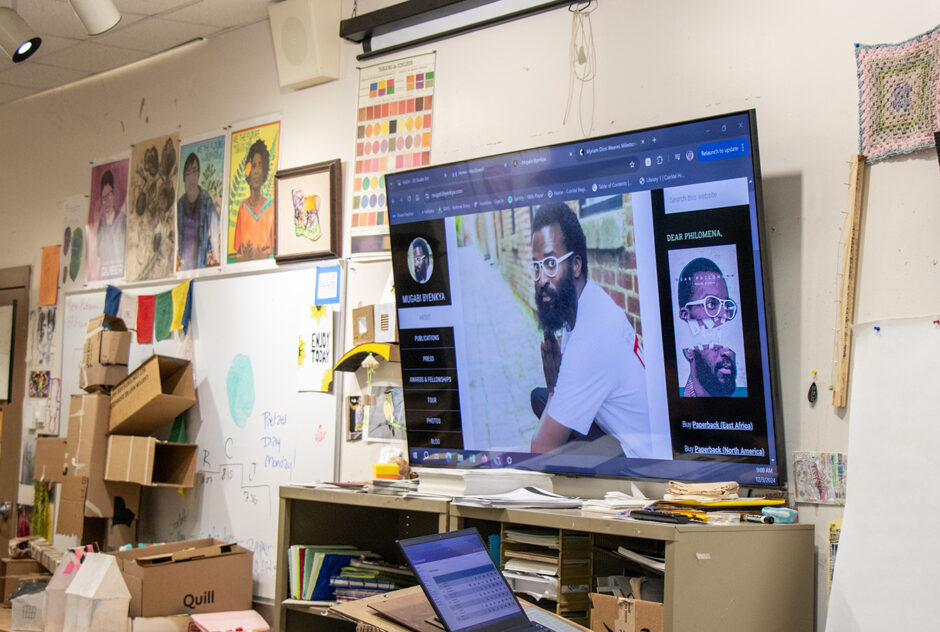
393 132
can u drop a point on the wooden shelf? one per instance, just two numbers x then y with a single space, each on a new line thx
352 359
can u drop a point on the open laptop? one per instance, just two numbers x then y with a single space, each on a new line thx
466 589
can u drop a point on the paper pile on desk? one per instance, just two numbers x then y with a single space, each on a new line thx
614 502
524 497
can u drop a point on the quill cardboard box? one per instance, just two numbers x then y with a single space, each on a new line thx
205 575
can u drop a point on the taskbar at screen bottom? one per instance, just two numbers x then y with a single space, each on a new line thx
618 466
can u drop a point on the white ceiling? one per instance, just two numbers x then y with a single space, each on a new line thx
147 27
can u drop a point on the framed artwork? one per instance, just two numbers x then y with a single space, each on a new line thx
307 204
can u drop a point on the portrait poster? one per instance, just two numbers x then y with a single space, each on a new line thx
74 213
698 337
315 350
199 204
253 154
385 417
151 230
393 132
106 226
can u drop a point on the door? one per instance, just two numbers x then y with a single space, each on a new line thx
14 291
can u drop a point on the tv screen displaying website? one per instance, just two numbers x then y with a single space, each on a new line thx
596 307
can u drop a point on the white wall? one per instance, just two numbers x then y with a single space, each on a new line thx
505 88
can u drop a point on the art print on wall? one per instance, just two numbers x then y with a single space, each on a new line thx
151 233
44 342
199 207
393 132
315 350
74 212
107 221
308 205
385 419
253 154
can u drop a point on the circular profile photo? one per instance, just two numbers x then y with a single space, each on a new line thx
420 263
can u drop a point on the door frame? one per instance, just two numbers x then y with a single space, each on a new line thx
15 280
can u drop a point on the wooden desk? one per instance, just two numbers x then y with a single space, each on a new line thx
5 614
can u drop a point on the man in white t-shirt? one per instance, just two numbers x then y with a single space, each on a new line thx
596 374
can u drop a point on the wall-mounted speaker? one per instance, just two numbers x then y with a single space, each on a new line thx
306 41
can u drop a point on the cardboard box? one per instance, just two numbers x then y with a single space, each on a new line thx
47 555
205 575
363 325
107 341
384 322
100 377
108 535
80 501
155 393
84 490
147 461
623 614
49 462
13 570
87 433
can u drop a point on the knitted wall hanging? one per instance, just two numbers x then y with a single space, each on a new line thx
898 95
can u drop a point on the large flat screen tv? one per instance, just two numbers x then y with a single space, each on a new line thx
598 307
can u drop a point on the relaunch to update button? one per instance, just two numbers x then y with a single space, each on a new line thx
723 149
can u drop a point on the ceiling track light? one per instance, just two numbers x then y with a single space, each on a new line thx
17 40
97 16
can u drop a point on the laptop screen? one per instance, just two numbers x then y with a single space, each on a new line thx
461 580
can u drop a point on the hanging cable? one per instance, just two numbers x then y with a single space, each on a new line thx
582 59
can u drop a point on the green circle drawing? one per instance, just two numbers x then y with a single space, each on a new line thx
240 387
78 251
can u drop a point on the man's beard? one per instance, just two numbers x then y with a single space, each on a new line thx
563 303
714 384
421 271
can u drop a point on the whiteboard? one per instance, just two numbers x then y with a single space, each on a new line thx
255 431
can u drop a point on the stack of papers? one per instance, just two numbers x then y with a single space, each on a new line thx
524 497
535 585
645 561
466 482
614 502
532 536
392 488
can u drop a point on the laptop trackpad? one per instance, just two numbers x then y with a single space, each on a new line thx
550 621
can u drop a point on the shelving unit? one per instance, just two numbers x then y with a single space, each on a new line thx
718 578
571 553
370 521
